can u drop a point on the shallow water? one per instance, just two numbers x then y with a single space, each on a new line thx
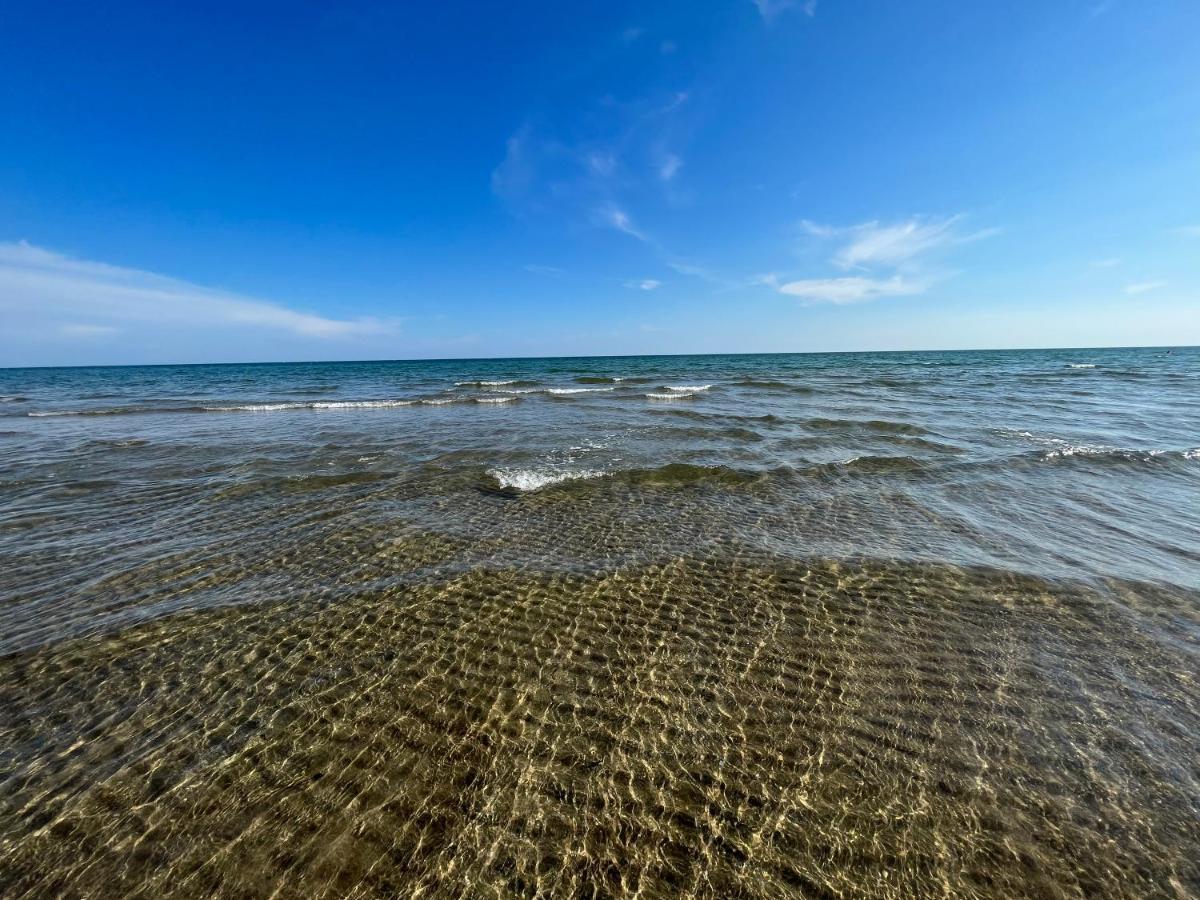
882 625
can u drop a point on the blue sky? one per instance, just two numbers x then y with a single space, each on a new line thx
269 181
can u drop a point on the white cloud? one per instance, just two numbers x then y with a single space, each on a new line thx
617 218
769 9
643 284
601 163
874 244
515 173
542 270
52 287
855 289
816 229
899 249
86 330
1141 287
669 167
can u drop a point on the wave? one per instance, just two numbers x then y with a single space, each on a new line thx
667 475
765 384
535 479
668 395
498 383
769 385
880 425
596 379
13 399
1081 365
585 390
281 406
1117 454
875 465
688 388
317 404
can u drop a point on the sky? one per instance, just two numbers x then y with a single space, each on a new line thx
208 182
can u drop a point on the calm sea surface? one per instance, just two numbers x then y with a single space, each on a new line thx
883 625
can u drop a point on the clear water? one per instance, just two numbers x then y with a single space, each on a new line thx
870 624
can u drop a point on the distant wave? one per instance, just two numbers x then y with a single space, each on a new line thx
316 404
1081 365
880 425
282 406
587 390
768 385
499 383
13 399
678 392
764 383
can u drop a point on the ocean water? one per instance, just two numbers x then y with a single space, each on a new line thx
880 625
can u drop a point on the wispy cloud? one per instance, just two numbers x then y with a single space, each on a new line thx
1141 287
643 284
542 270
1192 231
769 9
854 289
669 167
617 218
59 291
86 330
602 163
905 251
873 244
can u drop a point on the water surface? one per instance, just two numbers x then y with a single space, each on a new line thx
882 625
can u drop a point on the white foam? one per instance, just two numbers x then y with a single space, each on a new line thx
1192 454
495 399
1081 365
578 390
484 383
678 395
360 404
256 407
688 388
439 401
533 479
1080 450
318 404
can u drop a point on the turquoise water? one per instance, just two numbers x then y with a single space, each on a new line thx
961 587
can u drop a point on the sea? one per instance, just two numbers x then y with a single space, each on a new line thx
815 625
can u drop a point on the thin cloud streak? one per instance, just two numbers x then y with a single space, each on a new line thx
853 289
1142 287
617 218
53 286
769 9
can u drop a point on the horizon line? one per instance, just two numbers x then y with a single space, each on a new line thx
413 359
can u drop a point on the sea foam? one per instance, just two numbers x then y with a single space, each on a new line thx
533 479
